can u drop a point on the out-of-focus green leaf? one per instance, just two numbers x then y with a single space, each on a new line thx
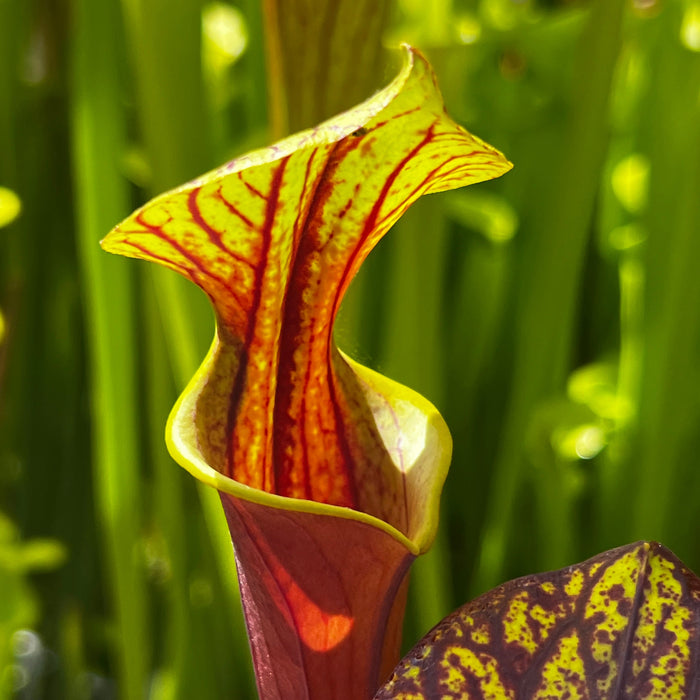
624 624
18 604
487 213
690 27
10 206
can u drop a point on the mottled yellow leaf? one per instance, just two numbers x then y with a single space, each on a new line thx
622 625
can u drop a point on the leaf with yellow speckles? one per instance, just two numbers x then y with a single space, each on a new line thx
622 625
329 474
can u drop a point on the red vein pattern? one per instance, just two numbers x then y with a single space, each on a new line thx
275 239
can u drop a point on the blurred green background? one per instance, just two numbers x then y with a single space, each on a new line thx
553 315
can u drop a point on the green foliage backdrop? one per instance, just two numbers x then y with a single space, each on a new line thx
552 316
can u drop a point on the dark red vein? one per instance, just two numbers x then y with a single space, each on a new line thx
395 117
370 222
292 322
239 382
419 189
251 188
216 237
161 235
233 209
303 212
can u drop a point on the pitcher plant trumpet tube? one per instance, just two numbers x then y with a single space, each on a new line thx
329 473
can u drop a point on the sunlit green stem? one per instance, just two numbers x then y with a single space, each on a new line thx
547 304
631 319
555 500
168 506
615 463
668 401
98 143
165 42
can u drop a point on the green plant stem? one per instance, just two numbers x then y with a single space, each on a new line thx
101 198
481 286
10 23
165 42
668 400
617 469
168 503
552 270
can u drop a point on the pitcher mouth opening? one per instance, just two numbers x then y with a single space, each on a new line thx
421 428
